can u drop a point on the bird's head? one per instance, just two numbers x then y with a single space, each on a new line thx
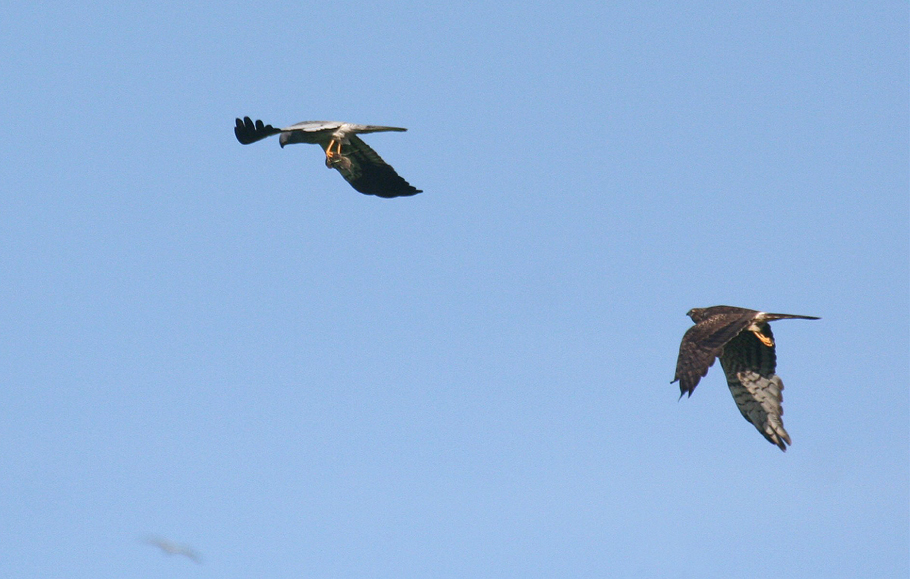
283 139
697 314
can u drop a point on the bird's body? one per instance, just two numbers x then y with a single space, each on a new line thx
743 341
345 152
171 548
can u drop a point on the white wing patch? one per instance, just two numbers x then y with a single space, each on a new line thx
313 126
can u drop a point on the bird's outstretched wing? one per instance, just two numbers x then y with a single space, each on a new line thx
750 368
248 132
365 170
703 343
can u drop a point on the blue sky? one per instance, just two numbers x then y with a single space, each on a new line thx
229 347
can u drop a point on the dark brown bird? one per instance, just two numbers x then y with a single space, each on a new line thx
171 548
345 152
742 339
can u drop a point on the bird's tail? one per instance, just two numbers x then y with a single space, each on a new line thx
772 317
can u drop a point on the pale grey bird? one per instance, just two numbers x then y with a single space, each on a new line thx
742 339
172 548
344 151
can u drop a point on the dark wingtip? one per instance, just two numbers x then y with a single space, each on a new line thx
683 391
248 132
383 181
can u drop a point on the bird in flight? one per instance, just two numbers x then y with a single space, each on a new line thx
344 151
742 339
172 548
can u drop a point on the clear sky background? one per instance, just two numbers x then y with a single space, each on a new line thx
229 347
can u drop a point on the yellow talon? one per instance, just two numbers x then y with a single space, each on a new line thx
329 154
764 339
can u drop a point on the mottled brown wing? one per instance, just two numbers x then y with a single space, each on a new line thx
750 369
704 342
369 174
